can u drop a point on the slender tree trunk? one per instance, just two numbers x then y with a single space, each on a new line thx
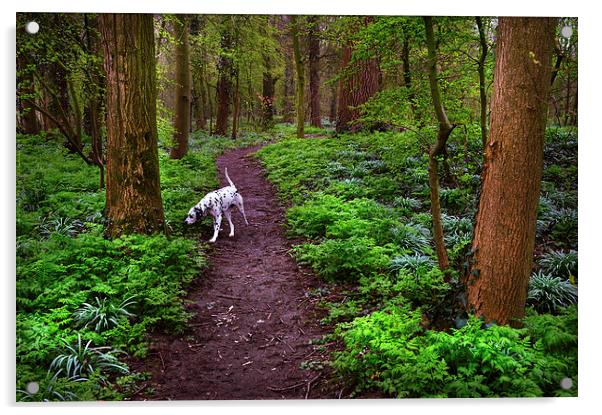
567 102
313 45
182 88
224 85
504 235
344 111
557 63
439 149
267 95
287 104
300 69
133 198
96 96
236 115
482 80
332 116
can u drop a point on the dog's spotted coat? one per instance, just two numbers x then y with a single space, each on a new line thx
216 204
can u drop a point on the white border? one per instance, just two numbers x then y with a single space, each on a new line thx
589 185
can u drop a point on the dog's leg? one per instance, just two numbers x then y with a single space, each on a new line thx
229 217
216 225
241 207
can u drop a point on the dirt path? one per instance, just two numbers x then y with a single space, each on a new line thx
253 322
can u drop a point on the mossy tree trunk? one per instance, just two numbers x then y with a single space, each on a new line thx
224 83
504 235
482 79
182 88
133 197
438 150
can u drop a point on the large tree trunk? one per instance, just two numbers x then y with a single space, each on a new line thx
439 149
357 87
313 45
224 85
182 88
133 198
300 69
504 235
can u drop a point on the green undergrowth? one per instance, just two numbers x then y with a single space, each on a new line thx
86 303
360 204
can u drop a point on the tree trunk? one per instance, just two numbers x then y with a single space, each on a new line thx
95 93
182 88
267 95
224 85
133 198
357 87
482 80
313 45
439 149
504 234
300 69
236 115
332 116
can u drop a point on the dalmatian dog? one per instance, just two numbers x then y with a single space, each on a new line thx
216 204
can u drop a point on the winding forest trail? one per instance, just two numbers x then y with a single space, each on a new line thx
252 322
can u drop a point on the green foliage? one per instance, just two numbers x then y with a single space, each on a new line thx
347 259
559 263
388 350
104 314
548 293
82 360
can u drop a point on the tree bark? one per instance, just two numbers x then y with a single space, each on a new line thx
182 88
313 45
504 234
300 69
357 87
267 95
133 197
236 115
224 83
439 149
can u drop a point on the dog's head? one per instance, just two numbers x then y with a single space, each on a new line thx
195 214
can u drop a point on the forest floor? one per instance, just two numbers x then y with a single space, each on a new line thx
253 322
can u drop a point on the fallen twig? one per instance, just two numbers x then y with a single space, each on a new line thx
309 384
162 361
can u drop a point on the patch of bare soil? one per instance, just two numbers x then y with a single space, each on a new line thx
253 321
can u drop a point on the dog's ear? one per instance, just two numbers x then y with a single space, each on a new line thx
198 211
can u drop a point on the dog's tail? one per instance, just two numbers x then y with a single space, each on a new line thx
229 181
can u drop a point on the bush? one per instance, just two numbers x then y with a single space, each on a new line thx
547 293
389 350
383 351
423 286
345 260
559 263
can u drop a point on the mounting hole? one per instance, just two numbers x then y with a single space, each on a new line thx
566 32
32 28
32 387
566 383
